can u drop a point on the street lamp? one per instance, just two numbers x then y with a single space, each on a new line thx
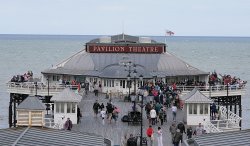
141 94
129 85
130 67
36 88
48 84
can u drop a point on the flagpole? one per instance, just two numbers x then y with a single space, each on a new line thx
166 37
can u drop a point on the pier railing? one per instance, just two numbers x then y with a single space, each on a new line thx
31 88
233 119
211 128
38 88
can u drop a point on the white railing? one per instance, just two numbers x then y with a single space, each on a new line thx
42 89
210 128
212 88
31 88
49 122
233 119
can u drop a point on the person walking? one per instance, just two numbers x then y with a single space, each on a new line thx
103 115
161 114
150 134
153 116
172 130
159 137
177 137
102 106
96 106
68 124
174 111
182 128
110 109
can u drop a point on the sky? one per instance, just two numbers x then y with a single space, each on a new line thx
133 17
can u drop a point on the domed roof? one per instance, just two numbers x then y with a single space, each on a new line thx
107 65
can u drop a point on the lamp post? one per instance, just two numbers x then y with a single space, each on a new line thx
48 84
47 104
36 88
129 85
141 94
130 67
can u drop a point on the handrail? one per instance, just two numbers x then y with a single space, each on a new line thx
233 118
210 128
49 121
40 85
212 88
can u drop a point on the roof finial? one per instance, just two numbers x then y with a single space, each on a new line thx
123 30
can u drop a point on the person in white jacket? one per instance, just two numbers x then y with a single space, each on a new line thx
153 116
159 137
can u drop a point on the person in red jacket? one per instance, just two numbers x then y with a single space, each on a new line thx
150 132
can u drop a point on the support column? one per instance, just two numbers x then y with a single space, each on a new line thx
226 101
15 121
10 111
235 104
240 109
231 102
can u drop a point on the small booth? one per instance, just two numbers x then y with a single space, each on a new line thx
31 112
65 105
196 107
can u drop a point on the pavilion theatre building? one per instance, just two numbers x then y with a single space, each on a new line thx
110 60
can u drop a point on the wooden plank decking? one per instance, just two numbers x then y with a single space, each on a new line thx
116 131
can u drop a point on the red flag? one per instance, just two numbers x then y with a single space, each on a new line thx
168 32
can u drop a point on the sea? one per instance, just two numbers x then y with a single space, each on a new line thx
22 53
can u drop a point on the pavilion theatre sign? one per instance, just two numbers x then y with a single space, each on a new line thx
125 49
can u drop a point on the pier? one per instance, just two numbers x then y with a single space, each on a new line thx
116 130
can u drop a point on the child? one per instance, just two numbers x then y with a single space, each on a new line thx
103 115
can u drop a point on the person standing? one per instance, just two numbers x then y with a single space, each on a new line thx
199 130
189 132
159 137
96 107
96 89
150 134
68 124
213 111
79 115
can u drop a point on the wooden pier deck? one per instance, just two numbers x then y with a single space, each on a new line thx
116 131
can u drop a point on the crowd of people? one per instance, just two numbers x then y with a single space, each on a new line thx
22 78
215 79
110 111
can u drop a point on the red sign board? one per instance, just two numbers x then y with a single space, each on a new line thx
125 49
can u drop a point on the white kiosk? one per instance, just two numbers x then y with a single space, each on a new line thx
196 107
31 112
65 105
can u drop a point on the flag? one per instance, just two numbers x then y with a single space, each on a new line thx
168 32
